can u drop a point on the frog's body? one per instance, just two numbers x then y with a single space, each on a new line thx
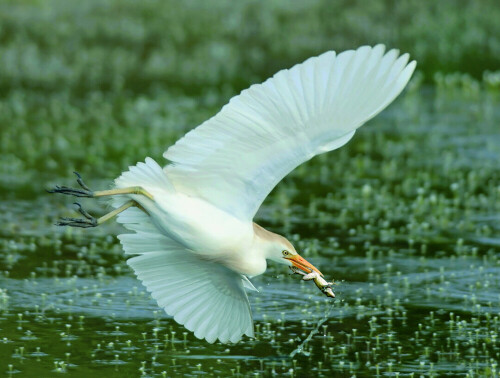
321 283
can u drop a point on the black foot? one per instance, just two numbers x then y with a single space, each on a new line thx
89 220
84 192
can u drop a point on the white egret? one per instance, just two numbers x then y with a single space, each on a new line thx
194 241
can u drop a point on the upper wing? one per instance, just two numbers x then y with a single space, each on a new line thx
235 158
206 297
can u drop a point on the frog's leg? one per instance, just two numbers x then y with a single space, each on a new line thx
296 270
310 276
90 221
86 192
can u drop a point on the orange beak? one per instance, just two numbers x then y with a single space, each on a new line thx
303 264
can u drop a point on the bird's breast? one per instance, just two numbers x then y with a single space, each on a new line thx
208 231
246 263
200 226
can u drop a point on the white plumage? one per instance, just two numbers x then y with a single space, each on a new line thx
234 159
194 242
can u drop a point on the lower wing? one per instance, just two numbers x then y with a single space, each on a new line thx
206 297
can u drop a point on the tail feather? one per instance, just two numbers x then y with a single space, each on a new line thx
147 174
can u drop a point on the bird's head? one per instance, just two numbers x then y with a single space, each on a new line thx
284 252
279 249
292 258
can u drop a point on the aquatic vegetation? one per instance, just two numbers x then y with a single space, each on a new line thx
405 218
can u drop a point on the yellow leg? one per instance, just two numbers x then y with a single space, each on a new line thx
130 190
86 192
116 211
90 221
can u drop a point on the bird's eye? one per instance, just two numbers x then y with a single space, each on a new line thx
285 253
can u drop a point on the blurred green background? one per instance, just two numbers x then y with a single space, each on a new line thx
76 73
407 214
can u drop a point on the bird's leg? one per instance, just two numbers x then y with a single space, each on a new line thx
86 192
90 221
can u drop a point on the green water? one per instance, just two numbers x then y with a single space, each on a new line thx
405 218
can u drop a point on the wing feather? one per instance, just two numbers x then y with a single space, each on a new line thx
234 159
203 296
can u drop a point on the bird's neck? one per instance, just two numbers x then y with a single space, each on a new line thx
252 259
265 240
262 234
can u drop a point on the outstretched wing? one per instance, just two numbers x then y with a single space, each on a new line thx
234 159
206 297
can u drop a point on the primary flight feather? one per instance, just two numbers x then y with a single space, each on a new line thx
194 243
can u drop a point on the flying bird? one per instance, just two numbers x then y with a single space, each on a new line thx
194 244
